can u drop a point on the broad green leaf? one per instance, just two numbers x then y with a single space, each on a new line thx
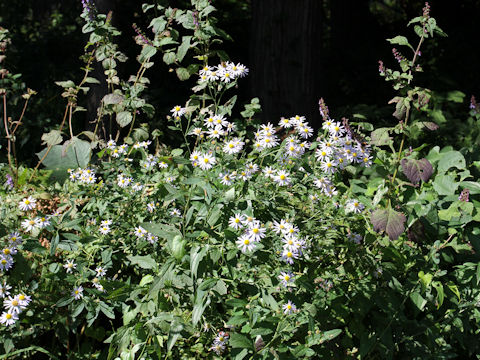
418 300
112 99
240 341
380 137
183 48
400 40
445 184
451 159
65 84
124 118
145 262
182 73
54 137
169 58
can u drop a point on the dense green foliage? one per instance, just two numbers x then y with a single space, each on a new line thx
248 240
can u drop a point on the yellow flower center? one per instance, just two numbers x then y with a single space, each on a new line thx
246 241
8 316
15 303
255 230
6 251
287 277
27 202
289 254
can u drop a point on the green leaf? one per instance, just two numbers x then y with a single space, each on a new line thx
451 159
78 310
380 137
54 137
196 255
175 333
183 48
453 288
390 221
207 284
240 341
145 262
54 244
440 294
72 154
112 99
147 52
169 58
91 80
418 300
183 74
65 84
124 118
425 279
445 184
400 40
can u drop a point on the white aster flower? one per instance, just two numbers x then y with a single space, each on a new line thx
70 266
8 318
236 221
289 308
77 293
27 204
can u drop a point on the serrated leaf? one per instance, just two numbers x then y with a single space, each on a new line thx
110 99
169 58
124 118
426 124
390 221
54 137
416 170
240 341
65 84
400 40
380 137
182 73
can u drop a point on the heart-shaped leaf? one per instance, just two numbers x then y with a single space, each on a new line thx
416 170
390 221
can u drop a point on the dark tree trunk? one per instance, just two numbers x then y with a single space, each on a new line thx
286 51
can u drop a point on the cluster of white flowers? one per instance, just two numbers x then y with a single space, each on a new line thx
142 144
6 257
83 176
326 186
150 162
141 233
224 72
13 305
30 225
340 149
124 181
293 245
117 151
105 227
265 137
253 233
220 343
204 161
